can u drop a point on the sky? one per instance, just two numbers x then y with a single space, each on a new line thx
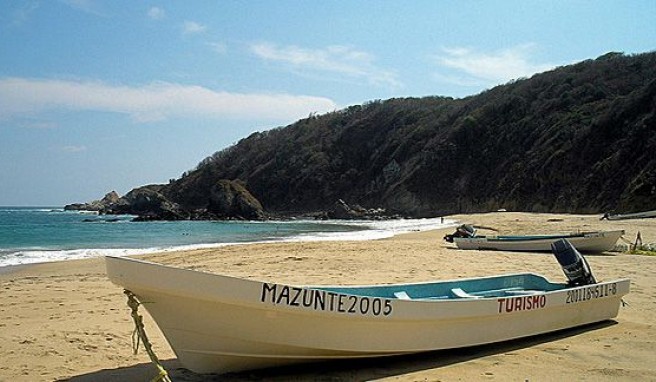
109 95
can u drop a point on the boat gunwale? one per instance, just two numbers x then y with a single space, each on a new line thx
322 286
477 296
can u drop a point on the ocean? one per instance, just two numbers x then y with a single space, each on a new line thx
41 234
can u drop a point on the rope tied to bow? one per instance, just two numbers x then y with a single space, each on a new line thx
139 335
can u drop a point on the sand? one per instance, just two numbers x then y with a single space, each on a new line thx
66 321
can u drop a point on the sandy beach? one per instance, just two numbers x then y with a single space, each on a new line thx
66 322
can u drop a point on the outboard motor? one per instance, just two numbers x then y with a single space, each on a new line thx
465 230
574 265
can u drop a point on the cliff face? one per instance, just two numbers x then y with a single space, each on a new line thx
580 138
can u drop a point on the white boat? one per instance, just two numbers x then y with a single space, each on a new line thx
598 241
635 215
220 324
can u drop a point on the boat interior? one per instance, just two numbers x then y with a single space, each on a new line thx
492 287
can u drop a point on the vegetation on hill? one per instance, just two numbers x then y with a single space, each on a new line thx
579 138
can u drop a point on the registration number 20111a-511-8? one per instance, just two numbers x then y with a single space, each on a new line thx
591 292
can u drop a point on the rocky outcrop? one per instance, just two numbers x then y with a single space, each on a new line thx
148 204
101 205
228 200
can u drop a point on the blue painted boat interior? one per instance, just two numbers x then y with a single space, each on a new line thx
500 286
527 237
536 237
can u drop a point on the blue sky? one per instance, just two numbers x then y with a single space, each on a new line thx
110 95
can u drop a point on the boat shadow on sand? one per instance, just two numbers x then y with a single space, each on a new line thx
347 370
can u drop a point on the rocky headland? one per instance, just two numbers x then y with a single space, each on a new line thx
576 139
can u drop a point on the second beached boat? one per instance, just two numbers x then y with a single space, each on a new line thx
635 215
219 324
599 241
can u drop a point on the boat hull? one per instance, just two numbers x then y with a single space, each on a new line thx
590 242
637 215
218 324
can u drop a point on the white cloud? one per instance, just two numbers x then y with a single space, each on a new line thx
153 102
23 13
459 80
192 27
218 47
39 125
338 59
88 6
74 149
485 68
156 13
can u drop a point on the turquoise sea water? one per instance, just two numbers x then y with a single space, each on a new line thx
39 234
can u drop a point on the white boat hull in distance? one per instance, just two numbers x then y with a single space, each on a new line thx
636 215
591 242
220 324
